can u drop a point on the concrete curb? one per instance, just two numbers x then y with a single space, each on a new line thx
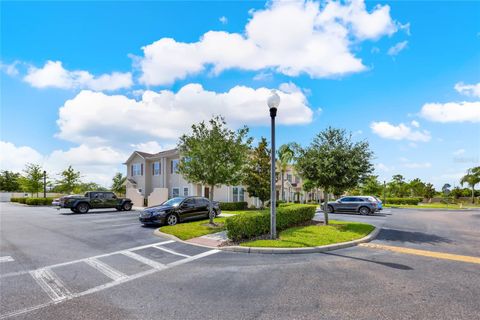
325 248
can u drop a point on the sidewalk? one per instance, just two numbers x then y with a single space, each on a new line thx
213 239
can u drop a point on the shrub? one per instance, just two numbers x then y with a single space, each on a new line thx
257 224
411 201
38 201
19 200
233 206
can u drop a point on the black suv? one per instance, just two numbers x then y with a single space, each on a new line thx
177 210
94 200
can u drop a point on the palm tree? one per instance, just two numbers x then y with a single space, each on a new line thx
118 183
471 178
285 156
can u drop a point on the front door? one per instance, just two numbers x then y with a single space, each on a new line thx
206 192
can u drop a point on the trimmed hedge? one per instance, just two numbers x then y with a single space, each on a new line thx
411 201
33 201
257 224
233 206
19 200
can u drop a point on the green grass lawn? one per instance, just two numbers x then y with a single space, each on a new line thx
315 235
432 206
194 229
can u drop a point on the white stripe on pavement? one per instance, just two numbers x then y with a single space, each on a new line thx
172 252
51 284
104 268
6 259
154 264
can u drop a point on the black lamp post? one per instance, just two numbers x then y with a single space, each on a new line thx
44 183
273 103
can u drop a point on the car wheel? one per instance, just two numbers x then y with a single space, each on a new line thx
172 219
330 209
82 208
127 206
364 210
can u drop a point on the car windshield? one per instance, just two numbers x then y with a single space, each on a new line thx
173 202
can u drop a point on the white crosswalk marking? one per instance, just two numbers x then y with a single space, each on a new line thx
107 270
51 284
171 251
6 259
142 259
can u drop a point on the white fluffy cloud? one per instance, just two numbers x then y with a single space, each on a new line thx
100 119
452 112
468 89
399 132
290 37
417 165
397 48
13 157
54 75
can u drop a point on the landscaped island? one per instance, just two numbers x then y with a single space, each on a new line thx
294 223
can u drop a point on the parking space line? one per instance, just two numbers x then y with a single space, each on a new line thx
425 253
104 268
51 284
99 256
154 264
172 251
111 284
6 259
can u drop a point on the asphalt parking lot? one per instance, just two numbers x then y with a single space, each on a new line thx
104 265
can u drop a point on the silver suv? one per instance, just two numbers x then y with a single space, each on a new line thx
358 204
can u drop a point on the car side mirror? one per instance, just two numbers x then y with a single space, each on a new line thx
114 197
338 201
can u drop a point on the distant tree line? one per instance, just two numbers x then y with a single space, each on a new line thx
69 181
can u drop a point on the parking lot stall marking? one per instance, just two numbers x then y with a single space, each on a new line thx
154 264
51 284
96 257
113 283
107 270
171 251
6 259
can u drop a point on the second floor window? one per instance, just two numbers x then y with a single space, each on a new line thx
137 169
289 178
174 166
156 168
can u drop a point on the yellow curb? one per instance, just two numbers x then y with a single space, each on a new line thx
425 253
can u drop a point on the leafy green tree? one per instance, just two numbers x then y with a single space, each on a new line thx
417 187
398 187
429 191
214 155
83 187
118 183
70 179
10 181
285 156
257 174
472 178
32 179
334 162
371 186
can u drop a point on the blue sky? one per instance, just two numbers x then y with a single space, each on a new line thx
404 75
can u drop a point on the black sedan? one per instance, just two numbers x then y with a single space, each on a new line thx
178 209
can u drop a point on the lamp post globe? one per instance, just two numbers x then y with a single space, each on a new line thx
273 102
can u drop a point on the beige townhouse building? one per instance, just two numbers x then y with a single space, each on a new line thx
153 178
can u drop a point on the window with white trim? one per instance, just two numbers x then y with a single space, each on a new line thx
156 168
136 169
238 194
174 166
289 177
185 191
175 192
